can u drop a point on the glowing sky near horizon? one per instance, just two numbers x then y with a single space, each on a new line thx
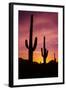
44 24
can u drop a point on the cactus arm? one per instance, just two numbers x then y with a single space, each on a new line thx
35 44
26 43
47 52
41 51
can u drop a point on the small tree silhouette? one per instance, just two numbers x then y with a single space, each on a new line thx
30 46
44 51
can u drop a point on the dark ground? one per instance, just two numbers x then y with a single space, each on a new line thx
35 70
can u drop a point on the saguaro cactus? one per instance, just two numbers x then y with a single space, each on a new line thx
54 57
44 51
30 46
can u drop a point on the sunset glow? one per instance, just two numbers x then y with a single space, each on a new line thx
44 24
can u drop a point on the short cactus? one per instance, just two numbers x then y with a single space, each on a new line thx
44 51
54 57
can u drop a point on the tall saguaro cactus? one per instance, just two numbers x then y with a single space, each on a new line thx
30 46
44 51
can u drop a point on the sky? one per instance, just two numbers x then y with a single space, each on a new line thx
44 24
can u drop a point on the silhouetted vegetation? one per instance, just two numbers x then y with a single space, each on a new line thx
29 44
35 70
54 57
30 69
44 51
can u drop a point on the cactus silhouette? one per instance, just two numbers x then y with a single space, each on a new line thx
44 51
54 57
29 44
